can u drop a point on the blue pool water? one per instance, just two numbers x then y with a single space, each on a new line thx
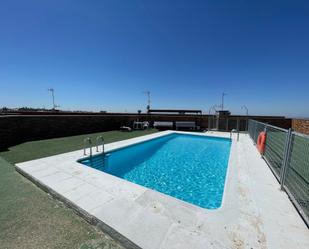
189 167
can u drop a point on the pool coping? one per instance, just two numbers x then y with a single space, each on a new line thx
149 219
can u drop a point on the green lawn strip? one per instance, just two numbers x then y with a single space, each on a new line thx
43 148
29 217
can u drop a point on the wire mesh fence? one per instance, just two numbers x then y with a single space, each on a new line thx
274 149
287 154
227 123
254 129
297 176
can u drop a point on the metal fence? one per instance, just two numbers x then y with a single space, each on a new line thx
287 154
227 123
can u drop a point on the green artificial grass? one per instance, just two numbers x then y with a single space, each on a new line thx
31 218
43 148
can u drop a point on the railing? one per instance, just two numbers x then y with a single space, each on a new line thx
287 154
87 141
234 131
98 139
227 123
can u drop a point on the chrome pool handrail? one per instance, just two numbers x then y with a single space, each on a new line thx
103 144
234 130
89 142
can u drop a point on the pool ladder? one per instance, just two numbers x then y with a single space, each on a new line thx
88 144
234 131
88 141
98 139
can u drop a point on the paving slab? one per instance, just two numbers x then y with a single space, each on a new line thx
255 213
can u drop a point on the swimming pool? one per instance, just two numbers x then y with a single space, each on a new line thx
191 168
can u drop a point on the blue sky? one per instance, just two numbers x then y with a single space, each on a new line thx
101 55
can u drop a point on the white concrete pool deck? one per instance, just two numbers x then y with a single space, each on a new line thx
254 212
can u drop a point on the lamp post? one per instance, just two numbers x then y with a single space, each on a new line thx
247 114
148 101
213 117
53 96
246 109
222 100
212 108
